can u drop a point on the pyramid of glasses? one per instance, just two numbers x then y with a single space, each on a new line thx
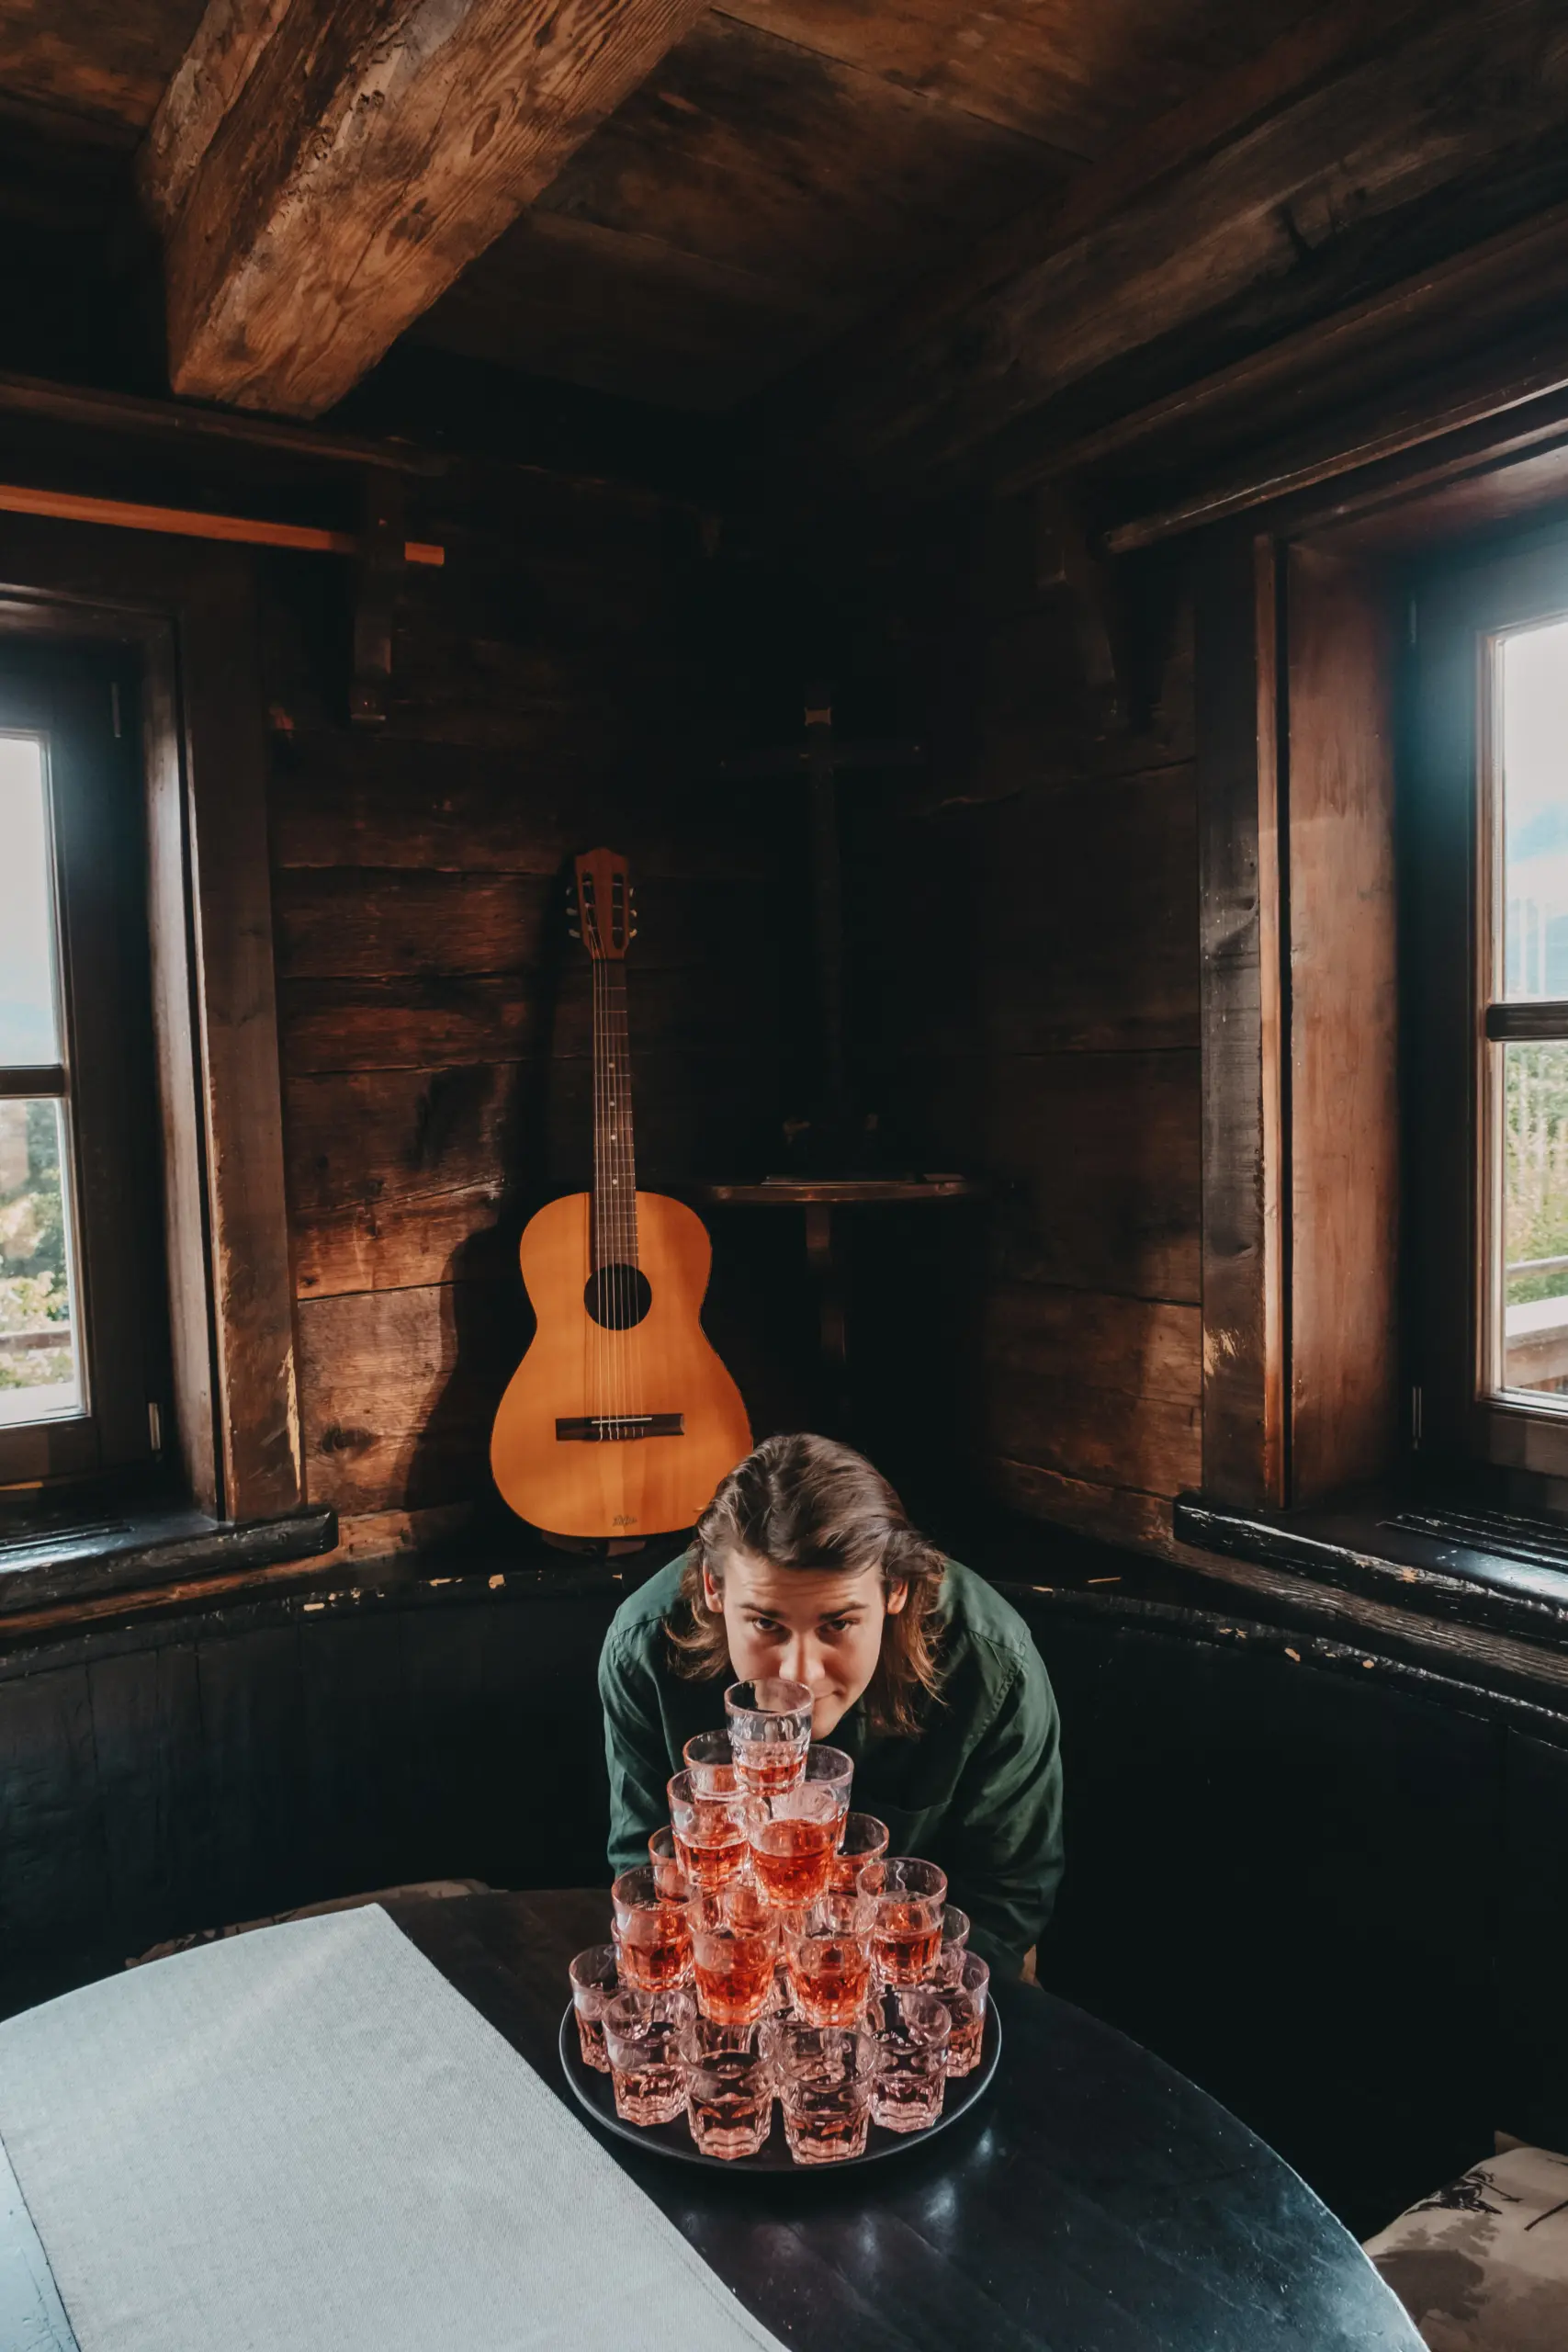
769 1949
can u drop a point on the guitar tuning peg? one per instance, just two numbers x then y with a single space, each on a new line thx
574 934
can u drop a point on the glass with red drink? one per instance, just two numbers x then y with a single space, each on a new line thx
913 2029
825 2076
668 1871
642 2037
770 1731
711 1832
964 1998
861 1846
828 1948
710 1759
907 1937
954 1944
596 1981
735 1944
653 1935
795 1833
730 2087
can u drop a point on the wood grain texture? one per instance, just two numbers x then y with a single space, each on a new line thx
1321 135
1240 916
1344 1360
1093 1388
360 165
399 1391
1076 78
93 59
258 1408
576 1369
1094 1158
400 1177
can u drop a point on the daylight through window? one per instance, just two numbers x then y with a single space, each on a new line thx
40 1359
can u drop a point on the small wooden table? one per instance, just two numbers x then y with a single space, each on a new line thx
1094 2202
819 1196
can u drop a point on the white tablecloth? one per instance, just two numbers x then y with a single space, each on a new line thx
303 2137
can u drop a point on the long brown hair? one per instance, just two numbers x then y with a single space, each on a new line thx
807 1502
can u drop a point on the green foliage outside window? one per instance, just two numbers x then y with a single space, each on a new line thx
34 1292
1535 1165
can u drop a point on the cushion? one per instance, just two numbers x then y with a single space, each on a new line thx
1482 2266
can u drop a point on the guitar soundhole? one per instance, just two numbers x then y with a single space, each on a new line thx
617 1297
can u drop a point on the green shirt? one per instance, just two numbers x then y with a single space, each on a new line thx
978 1789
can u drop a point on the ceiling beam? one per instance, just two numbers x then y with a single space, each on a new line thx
321 170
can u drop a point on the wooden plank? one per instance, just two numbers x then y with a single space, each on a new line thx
748 151
258 1412
1098 1388
1389 331
187 523
321 177
1345 1364
339 800
1113 1514
349 924
1067 76
1085 899
401 1389
1093 1158
92 59
623 312
404 1177
1239 918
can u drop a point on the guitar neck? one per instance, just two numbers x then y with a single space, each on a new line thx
614 1164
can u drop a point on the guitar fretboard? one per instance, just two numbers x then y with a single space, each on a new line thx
614 1166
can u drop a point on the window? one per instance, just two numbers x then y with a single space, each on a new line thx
82 1344
1486 829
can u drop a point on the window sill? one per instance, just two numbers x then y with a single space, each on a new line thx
1354 1547
144 1546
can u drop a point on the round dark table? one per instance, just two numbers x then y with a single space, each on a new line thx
1094 2202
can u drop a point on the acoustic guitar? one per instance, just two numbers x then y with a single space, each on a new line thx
620 1420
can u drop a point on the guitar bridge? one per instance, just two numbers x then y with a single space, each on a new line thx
616 1428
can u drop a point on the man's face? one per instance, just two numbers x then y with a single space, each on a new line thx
820 1627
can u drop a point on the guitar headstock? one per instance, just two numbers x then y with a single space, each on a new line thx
604 905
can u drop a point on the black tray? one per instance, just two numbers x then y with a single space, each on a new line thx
592 2091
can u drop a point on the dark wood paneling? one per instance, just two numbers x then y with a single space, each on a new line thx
1087 899
398 1177
401 1389
1095 1161
1072 77
1098 1389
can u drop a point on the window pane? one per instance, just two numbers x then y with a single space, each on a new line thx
39 1374
1533 680
28 1029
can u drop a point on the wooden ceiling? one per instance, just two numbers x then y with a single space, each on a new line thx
913 234
793 165
783 173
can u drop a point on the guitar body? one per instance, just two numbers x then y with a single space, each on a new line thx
579 1370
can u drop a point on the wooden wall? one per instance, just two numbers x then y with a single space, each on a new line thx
551 689
1042 1030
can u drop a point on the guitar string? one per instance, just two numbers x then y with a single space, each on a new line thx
630 1400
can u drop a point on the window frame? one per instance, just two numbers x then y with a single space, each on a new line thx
1461 607
80 703
184 617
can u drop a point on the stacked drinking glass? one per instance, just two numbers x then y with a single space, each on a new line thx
770 1948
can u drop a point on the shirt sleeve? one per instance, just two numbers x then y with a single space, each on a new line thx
1004 1830
634 1751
